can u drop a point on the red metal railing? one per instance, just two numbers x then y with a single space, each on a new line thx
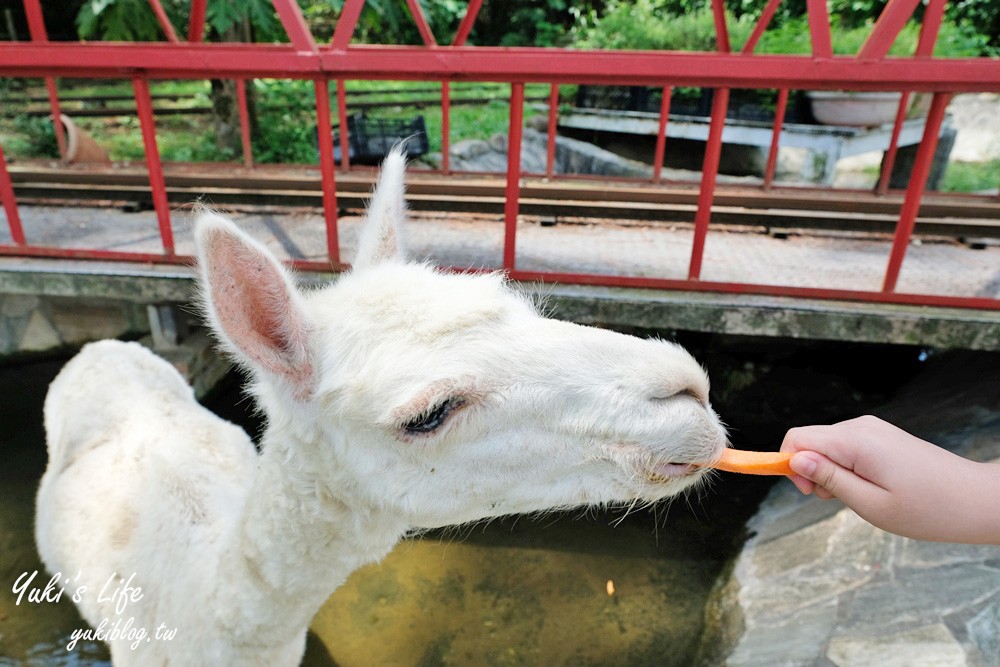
340 61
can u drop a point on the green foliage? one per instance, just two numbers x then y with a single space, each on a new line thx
126 20
33 135
134 21
971 176
649 24
793 37
981 17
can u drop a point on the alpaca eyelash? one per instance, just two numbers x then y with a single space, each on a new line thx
433 419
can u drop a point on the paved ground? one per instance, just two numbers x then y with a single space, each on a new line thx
932 266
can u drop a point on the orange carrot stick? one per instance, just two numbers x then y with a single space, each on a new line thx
754 463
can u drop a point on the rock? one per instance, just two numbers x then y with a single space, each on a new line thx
827 588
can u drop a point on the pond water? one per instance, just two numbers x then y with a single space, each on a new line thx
516 591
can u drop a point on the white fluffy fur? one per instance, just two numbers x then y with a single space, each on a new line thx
239 550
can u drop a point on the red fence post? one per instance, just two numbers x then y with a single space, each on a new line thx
36 28
709 171
241 95
772 153
144 106
889 161
197 25
550 142
661 135
164 21
326 168
345 139
445 127
914 193
512 203
10 203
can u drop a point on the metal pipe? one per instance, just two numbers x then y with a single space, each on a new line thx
241 96
144 107
445 127
709 170
513 191
165 25
772 153
345 139
10 203
914 193
550 139
889 159
326 168
661 135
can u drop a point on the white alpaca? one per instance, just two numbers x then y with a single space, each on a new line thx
398 397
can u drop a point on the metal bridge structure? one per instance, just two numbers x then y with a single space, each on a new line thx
443 60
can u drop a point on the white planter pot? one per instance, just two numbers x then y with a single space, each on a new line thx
855 109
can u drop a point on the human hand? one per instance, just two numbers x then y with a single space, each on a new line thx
897 481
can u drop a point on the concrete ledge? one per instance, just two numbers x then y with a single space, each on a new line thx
750 315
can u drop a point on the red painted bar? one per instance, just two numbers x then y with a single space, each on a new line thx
144 106
889 160
550 141
53 91
513 192
100 255
721 31
38 33
819 28
241 96
295 25
661 135
36 20
914 193
709 170
758 30
10 204
197 26
933 15
327 170
418 17
346 24
201 61
465 27
345 139
887 27
445 127
165 25
772 153
937 300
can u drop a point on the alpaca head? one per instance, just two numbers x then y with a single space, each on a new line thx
442 398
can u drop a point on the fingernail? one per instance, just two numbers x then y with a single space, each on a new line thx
804 464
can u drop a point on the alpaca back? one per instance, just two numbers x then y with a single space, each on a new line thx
141 479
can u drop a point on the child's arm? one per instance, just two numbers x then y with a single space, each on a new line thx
898 482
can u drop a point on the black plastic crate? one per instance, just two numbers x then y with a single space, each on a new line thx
371 139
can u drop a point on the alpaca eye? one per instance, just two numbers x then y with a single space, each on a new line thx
433 419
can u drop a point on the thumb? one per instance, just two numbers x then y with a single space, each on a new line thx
836 480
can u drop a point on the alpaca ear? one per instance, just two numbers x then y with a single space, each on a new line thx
253 305
379 240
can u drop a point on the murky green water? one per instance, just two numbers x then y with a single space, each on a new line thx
517 591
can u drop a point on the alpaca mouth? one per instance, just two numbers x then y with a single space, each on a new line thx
666 472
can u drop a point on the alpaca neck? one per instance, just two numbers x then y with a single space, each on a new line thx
295 545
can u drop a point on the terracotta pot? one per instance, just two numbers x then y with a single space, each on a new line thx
80 146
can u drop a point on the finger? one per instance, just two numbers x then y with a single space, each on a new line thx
835 480
806 486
